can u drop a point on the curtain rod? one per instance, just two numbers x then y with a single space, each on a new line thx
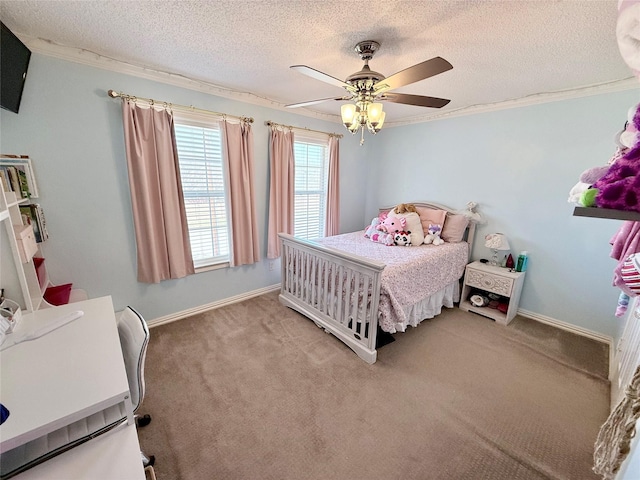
151 101
269 123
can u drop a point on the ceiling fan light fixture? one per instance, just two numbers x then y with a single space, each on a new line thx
366 86
374 113
349 115
375 128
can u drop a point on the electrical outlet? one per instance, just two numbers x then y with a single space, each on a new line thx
271 262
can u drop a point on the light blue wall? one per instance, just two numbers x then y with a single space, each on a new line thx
73 132
519 165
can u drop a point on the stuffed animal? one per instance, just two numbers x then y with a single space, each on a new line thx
405 208
587 191
392 225
402 238
433 235
383 237
372 228
619 188
412 221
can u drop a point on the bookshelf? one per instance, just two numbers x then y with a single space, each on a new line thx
18 274
23 272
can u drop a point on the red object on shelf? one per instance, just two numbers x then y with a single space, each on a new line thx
58 295
510 262
40 270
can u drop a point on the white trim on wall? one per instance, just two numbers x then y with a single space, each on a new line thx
210 306
93 59
584 332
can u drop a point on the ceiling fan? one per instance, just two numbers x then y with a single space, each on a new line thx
368 87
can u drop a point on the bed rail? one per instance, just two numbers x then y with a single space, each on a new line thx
338 291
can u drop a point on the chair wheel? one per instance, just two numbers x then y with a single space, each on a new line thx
143 421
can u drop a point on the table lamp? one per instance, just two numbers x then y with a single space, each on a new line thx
496 241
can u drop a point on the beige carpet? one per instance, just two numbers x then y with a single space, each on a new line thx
256 391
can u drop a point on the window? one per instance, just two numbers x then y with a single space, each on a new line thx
203 184
311 177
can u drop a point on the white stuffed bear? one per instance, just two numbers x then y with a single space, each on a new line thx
433 235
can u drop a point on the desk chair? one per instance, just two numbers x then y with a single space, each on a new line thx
134 339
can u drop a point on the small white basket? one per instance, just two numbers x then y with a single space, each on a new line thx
10 315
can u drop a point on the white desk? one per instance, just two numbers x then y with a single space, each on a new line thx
114 455
64 376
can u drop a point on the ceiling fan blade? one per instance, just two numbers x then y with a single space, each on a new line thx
417 100
313 102
418 72
318 75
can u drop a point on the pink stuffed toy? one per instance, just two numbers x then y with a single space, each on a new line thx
383 237
392 225
385 232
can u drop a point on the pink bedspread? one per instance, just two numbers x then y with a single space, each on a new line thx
411 274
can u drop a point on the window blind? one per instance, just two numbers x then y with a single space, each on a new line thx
203 185
310 190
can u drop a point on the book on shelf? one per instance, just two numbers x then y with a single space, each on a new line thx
4 180
14 179
33 215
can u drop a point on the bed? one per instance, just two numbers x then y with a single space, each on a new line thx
350 286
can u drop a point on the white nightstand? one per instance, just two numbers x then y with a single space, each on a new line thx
492 279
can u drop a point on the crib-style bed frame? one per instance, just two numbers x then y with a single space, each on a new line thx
339 291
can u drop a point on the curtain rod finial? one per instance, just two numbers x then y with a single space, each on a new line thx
113 94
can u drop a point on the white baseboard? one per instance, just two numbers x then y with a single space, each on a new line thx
210 306
597 336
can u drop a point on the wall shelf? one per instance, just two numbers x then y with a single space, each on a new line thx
595 212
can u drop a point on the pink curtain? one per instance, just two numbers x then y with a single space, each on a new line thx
332 224
162 235
281 188
238 143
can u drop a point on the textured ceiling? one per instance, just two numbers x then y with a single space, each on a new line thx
500 50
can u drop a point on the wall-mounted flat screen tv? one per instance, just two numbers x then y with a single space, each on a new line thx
14 61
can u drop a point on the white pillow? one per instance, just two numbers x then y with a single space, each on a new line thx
413 225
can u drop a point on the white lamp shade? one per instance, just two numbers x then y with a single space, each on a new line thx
496 241
348 113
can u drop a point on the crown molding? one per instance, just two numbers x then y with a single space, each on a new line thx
630 83
93 59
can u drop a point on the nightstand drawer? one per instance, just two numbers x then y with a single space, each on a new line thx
489 282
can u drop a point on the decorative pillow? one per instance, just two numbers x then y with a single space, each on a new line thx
430 216
413 225
454 227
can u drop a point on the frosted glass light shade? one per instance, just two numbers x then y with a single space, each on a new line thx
348 113
374 114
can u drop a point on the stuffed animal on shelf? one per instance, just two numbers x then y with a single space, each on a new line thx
402 238
433 235
619 188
